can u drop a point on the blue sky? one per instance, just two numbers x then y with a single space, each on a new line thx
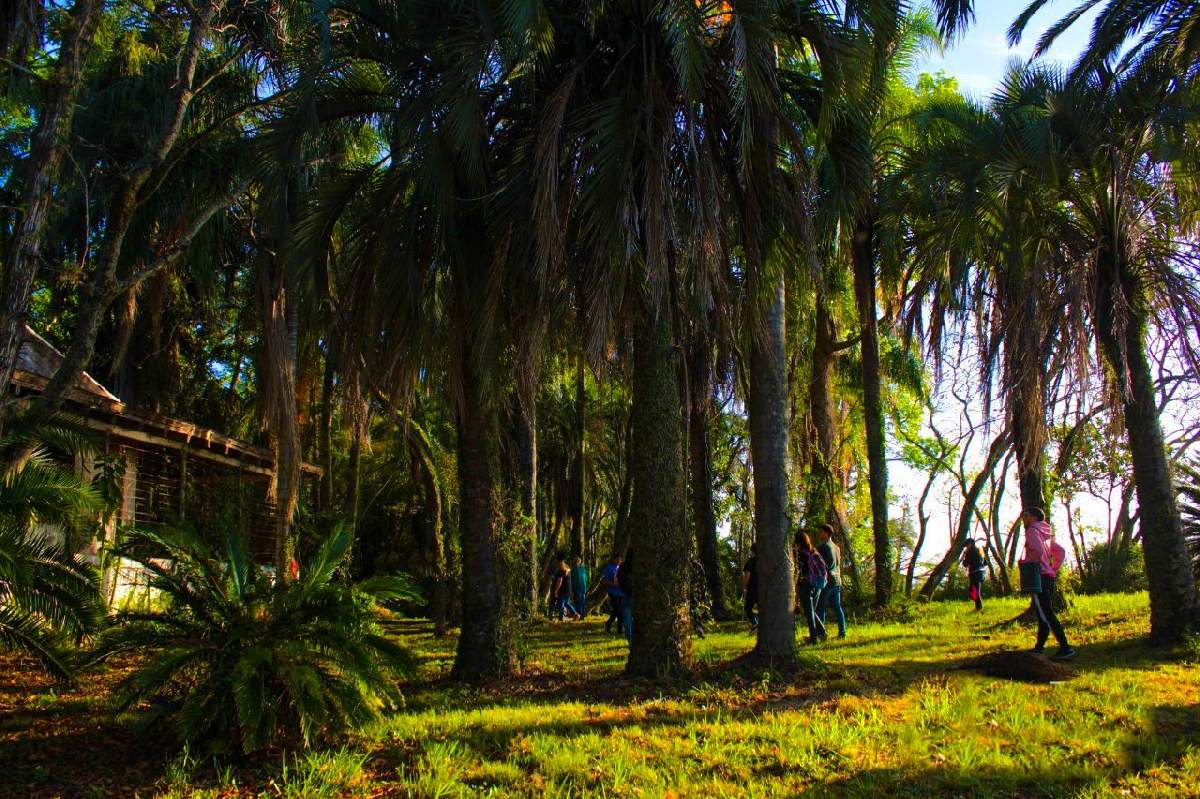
978 59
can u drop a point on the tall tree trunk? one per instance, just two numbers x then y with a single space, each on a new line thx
621 531
39 174
864 294
576 481
768 421
421 452
700 414
486 646
963 529
825 501
279 387
1173 607
661 646
1024 364
325 436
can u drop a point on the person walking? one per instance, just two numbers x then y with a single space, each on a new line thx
976 565
750 588
610 582
813 577
831 594
625 581
1043 550
579 586
560 590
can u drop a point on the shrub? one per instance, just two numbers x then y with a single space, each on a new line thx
1111 568
237 662
49 597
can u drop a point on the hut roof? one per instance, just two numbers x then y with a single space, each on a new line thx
37 362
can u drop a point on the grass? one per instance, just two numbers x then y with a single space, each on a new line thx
888 712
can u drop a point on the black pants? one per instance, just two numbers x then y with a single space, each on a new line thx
1043 605
977 584
751 602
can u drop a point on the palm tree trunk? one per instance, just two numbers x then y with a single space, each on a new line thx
661 646
825 498
575 485
864 293
700 407
421 452
486 648
40 173
1173 607
768 422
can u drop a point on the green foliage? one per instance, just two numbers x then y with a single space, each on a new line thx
48 595
1112 568
238 662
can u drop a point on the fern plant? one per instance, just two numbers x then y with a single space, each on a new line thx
49 597
237 661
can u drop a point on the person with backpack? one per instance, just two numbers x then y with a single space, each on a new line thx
579 586
976 565
1043 550
750 588
610 582
813 576
831 595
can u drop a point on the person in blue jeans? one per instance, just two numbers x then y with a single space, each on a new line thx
625 579
610 582
580 580
831 596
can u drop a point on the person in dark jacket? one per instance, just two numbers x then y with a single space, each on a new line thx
809 567
750 588
976 566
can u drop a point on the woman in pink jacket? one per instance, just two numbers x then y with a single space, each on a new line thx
1038 549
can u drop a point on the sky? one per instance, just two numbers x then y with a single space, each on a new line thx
980 56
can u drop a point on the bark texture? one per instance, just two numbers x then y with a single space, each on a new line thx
700 407
1173 605
864 294
661 646
768 421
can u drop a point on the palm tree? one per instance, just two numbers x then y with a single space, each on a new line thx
984 240
872 135
1128 31
1127 173
422 294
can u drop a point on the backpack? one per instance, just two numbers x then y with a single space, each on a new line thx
1057 556
818 572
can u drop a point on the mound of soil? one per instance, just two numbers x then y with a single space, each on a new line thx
1023 666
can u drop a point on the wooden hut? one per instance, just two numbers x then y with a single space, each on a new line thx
170 470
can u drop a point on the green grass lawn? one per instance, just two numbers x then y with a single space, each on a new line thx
887 712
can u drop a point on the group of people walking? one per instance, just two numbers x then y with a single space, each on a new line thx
819 586
1040 564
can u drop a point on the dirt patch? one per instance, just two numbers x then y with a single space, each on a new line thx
1022 666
